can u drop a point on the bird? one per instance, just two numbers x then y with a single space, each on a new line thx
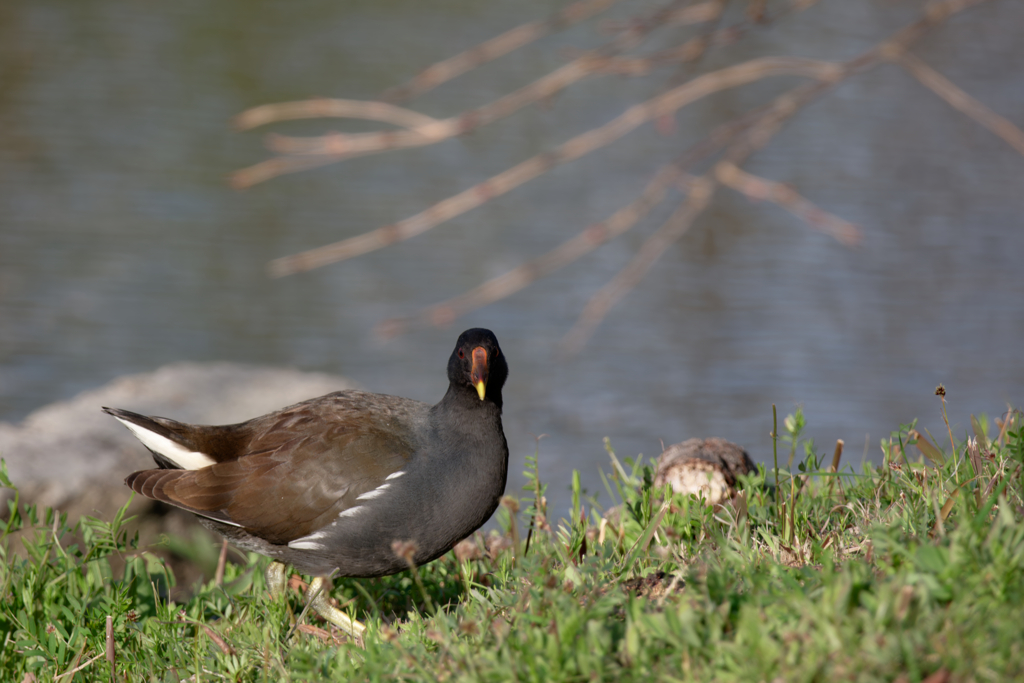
709 466
333 485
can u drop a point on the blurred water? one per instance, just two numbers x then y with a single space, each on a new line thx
122 248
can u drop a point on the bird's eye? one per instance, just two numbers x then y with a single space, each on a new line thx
462 354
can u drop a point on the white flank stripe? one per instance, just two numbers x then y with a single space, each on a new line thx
309 542
178 454
312 537
306 545
370 495
395 475
350 512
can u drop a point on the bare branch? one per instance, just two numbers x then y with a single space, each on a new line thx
667 103
334 147
79 667
960 100
518 278
321 150
701 191
323 107
271 168
341 146
678 13
450 68
694 48
744 136
583 243
761 189
784 107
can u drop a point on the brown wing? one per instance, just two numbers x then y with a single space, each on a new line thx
300 467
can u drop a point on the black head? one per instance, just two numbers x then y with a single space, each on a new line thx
478 366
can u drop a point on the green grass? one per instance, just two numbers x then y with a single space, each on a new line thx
900 572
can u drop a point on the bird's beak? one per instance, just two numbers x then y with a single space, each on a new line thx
478 375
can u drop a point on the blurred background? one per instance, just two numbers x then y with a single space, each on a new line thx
123 248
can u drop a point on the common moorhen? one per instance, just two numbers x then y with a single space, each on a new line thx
329 484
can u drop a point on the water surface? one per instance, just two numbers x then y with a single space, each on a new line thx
122 248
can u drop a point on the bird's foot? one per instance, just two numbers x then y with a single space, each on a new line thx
277 579
317 598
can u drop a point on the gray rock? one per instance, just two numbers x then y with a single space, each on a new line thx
70 455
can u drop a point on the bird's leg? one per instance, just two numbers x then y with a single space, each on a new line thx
318 598
277 579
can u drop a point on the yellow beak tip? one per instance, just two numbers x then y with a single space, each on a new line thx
481 389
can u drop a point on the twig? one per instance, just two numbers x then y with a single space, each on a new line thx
960 100
337 146
320 633
583 243
323 107
700 195
518 278
757 188
217 639
271 168
783 108
632 118
689 51
80 667
695 47
450 68
345 145
702 189
425 130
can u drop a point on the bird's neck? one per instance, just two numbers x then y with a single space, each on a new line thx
465 399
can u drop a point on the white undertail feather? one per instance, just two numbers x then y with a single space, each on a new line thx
394 475
175 452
